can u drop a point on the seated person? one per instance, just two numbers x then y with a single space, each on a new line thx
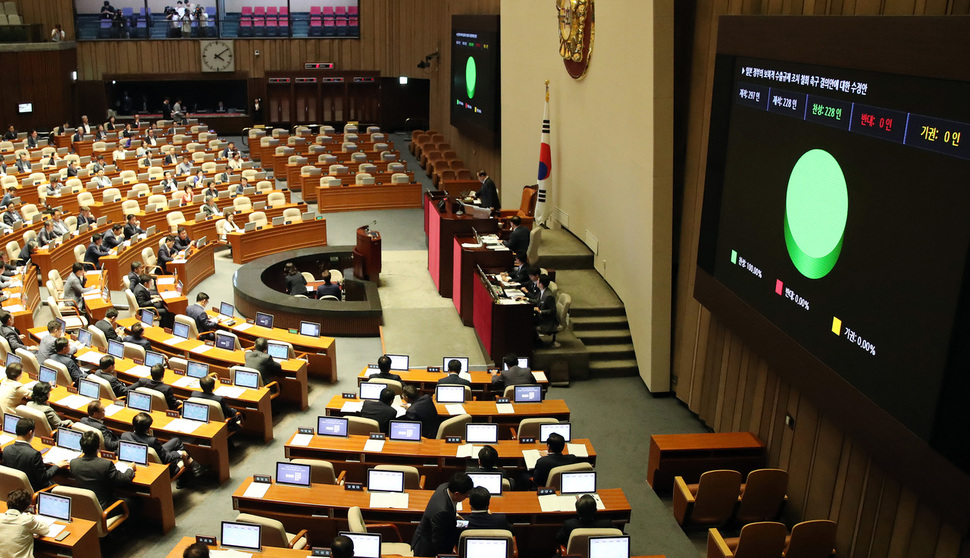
21 455
39 401
132 226
18 526
134 274
480 517
98 474
384 365
530 289
380 410
295 282
10 332
144 298
201 550
109 325
106 372
168 183
155 382
554 457
210 208
45 349
85 217
258 359
62 355
585 519
170 453
210 191
203 323
115 236
182 240
166 253
342 547
12 392
136 336
488 463
518 241
454 368
421 408
95 250
546 319
95 419
208 385
520 272
46 233
514 375
328 288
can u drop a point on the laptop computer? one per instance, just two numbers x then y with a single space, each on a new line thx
405 431
292 473
582 482
240 535
133 452
147 317
385 481
226 310
564 429
527 394
89 389
224 341
47 374
54 507
195 411
197 369
12 358
152 358
366 545
485 547
116 349
180 330
371 390
489 481
450 394
84 337
400 362
264 320
332 426
277 350
139 401
481 433
10 423
615 546
310 329
462 360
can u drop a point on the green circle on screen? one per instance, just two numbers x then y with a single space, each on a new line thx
471 76
816 210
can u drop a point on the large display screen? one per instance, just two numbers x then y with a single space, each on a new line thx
475 76
836 208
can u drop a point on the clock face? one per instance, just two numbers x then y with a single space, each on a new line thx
217 56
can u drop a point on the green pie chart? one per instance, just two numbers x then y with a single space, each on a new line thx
816 210
471 76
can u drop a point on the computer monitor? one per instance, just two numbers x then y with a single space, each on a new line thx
195 411
116 349
332 426
292 473
54 506
63 323
133 452
140 401
147 317
527 394
264 320
450 394
405 431
278 350
481 433
84 337
89 389
366 545
489 481
152 358
12 358
564 429
10 423
523 362
400 362
225 341
180 330
486 547
462 360
614 546
47 375
178 287
371 390
240 535
226 309
582 482
69 439
246 379
385 481
197 369
310 329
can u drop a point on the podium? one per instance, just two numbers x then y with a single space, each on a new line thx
367 255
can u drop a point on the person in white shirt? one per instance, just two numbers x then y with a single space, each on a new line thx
57 34
12 392
100 180
118 153
18 527
235 162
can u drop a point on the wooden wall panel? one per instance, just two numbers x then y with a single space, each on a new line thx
832 475
48 13
41 77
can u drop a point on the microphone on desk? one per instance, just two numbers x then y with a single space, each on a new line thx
369 225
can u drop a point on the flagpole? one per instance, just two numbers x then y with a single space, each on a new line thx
545 165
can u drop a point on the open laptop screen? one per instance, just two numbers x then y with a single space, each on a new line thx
152 358
481 433
527 394
140 401
240 535
366 545
246 379
486 547
332 426
224 341
195 411
583 482
116 349
197 369
292 473
310 329
180 330
264 320
278 350
226 309
12 358
54 506
371 390
84 337
133 452
400 362
609 547
89 389
405 431
47 375
462 360
10 423
450 394
489 481
385 481
564 429
147 317
69 439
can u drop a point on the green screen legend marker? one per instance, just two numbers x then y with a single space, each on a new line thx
816 209
734 256
471 77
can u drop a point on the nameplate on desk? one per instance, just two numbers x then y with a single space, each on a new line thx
209 541
227 381
138 361
530 440
377 436
320 552
107 454
302 430
178 372
348 395
47 441
358 486
373 366
452 439
293 331
434 369
32 376
173 414
502 400
266 479
545 491
71 389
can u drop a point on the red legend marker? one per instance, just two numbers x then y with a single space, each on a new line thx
778 286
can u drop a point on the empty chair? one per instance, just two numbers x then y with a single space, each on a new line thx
453 426
13 479
291 214
710 502
413 480
811 539
72 318
242 203
762 496
273 533
529 427
359 426
321 472
41 426
578 543
174 219
355 521
275 199
258 217
84 504
765 539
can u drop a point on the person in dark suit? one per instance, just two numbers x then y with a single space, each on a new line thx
203 322
480 517
109 324
46 233
380 410
95 250
22 456
422 409
137 337
518 241
166 253
74 288
546 319
437 533
585 519
62 349
27 252
114 237
487 463
530 289
555 443
384 365
182 240
106 372
208 385
131 226
295 282
32 140
169 453
98 474
488 194
259 359
520 272
342 547
95 419
13 336
85 217
328 288
71 169
134 274
155 382
454 368
11 215
514 375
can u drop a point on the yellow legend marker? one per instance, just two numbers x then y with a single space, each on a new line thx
836 326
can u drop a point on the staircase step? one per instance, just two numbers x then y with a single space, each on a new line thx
613 368
591 311
616 351
603 336
598 323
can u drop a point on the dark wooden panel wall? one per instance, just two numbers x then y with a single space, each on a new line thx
48 13
40 77
731 388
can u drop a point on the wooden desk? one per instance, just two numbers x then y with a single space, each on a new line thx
466 260
443 226
118 265
270 239
293 382
485 411
82 541
22 307
426 381
501 328
198 229
435 459
690 455
322 510
62 257
199 265
267 552
358 197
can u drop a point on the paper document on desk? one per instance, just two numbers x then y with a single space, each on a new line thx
183 425
398 500
400 410
465 376
169 294
112 409
374 445
302 440
179 261
228 553
505 408
173 340
74 401
5 438
553 503
232 392
57 454
455 409
513 293
186 382
165 281
15 295
92 296
498 247
91 357
256 489
200 349
531 456
470 245
14 308
92 273
467 450
139 370
122 466
509 301
243 326
579 450
539 376
352 406
16 283
54 529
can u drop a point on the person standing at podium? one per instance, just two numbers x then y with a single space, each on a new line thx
488 194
